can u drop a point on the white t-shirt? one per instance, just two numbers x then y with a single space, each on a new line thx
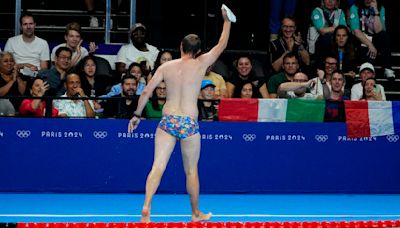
357 92
84 52
34 52
128 54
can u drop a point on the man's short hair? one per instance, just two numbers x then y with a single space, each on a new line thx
74 26
126 77
60 49
339 72
290 55
191 44
25 14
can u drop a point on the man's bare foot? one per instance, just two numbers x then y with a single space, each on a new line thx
145 215
201 217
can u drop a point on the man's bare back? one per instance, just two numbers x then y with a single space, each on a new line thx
182 78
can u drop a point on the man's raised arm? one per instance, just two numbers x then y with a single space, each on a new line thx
211 56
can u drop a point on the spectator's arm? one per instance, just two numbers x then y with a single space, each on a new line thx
230 88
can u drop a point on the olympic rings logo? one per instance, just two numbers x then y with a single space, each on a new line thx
249 137
100 134
392 138
23 133
321 138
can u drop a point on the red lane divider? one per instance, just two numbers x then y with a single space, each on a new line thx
340 224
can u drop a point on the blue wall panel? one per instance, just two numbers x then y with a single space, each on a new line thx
97 155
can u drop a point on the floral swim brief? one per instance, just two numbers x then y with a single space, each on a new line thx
179 126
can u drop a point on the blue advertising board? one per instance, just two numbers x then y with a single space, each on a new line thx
98 155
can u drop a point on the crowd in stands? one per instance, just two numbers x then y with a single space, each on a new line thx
336 63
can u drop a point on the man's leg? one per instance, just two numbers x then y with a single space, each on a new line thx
190 155
164 145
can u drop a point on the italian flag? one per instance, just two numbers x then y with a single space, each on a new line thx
271 110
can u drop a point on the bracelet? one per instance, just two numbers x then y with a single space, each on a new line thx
377 14
136 115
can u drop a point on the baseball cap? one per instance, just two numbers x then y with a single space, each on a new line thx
206 83
367 66
137 26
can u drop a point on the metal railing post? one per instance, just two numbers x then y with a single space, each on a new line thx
107 34
17 16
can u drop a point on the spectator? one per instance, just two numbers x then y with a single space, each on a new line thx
247 90
297 88
276 6
137 51
127 102
208 108
28 49
324 20
153 109
287 42
325 75
162 57
218 81
11 84
74 108
74 42
135 71
290 67
55 76
93 84
343 49
371 91
244 73
368 23
367 71
334 110
36 107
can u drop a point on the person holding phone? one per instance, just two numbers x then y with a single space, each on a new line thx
371 91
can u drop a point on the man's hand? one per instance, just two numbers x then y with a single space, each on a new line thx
372 52
133 124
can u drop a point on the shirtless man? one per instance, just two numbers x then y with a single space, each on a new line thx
183 78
